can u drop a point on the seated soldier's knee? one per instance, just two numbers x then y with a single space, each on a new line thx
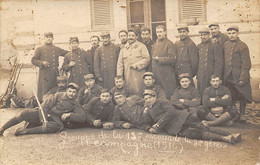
52 127
232 111
29 115
202 113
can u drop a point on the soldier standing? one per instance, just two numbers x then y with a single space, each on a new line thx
46 58
123 38
216 34
236 70
146 39
91 52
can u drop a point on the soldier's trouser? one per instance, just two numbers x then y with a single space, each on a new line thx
204 112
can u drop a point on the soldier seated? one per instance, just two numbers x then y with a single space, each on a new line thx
217 104
58 109
160 114
186 97
89 91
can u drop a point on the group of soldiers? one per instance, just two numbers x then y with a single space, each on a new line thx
144 84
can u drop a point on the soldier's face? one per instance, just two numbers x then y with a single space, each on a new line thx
185 82
214 30
105 97
94 41
119 83
71 93
48 39
74 45
132 37
123 37
90 83
183 34
145 35
61 84
232 34
215 82
106 40
120 99
148 81
149 100
204 37
161 33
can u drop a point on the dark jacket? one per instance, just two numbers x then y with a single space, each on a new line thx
90 59
84 98
53 91
157 88
149 48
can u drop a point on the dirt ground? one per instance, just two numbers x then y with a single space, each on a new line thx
94 146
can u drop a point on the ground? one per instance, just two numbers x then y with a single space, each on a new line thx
94 146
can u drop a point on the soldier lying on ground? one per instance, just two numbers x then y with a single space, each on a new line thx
217 104
160 114
59 108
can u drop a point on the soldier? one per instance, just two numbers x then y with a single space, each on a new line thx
90 90
163 61
133 61
75 62
236 70
123 38
61 87
186 97
121 87
91 52
187 54
47 59
146 39
149 83
217 102
215 33
100 109
105 61
58 108
159 114
211 60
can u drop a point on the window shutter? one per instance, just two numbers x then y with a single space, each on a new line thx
192 9
101 14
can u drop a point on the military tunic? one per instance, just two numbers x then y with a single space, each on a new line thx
125 90
221 38
105 61
90 59
137 54
96 109
80 69
84 98
187 57
237 66
53 91
163 68
47 76
149 48
211 61
157 88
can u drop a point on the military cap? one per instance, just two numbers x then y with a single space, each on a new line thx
213 24
204 30
148 74
73 85
48 34
118 93
105 34
184 75
149 92
89 76
183 28
72 39
234 27
133 30
61 78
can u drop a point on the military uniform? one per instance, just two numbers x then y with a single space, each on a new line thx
80 69
84 98
90 59
96 109
125 91
157 88
53 91
211 61
47 75
187 57
149 48
105 61
221 38
163 68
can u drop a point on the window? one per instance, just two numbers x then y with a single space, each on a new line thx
192 9
101 14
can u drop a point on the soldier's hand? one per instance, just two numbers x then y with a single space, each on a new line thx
45 64
97 123
108 125
181 100
86 90
225 97
212 99
156 58
100 79
72 63
152 130
241 83
65 116
127 125
134 66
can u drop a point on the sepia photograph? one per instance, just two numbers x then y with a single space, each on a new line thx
130 82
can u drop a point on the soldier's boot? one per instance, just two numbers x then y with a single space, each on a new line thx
223 132
242 111
220 120
24 131
215 137
13 121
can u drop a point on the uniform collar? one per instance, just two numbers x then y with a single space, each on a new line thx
133 45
